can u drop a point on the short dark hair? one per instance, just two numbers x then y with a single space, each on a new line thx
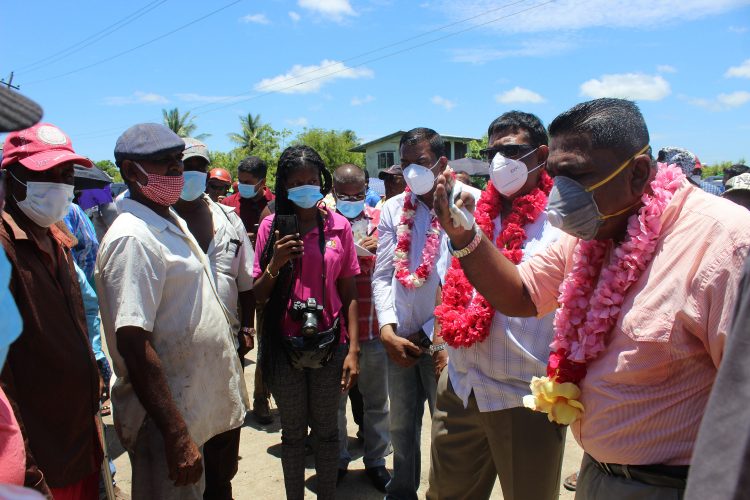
420 134
518 120
254 166
735 170
349 172
615 124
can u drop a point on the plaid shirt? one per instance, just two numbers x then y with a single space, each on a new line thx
368 318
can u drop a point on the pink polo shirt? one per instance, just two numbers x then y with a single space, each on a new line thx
340 262
645 394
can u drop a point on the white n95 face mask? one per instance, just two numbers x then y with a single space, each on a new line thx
420 179
46 202
509 175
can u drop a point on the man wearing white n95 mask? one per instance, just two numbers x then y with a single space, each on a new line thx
412 255
480 428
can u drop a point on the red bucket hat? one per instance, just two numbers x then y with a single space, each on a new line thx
40 147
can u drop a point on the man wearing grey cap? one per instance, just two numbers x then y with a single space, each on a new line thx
222 237
179 380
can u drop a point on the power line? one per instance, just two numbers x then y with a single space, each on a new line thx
144 44
90 40
379 58
359 56
104 133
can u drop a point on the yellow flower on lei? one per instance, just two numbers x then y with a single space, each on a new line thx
558 401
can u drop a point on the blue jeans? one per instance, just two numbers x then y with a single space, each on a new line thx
373 385
408 388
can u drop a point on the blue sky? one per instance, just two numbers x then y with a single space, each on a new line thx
378 65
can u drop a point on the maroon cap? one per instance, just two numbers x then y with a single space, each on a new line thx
41 147
392 170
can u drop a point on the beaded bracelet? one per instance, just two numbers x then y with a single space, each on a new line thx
460 254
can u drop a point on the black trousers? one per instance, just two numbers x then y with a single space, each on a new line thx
220 458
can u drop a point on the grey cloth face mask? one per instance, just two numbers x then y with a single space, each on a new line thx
573 209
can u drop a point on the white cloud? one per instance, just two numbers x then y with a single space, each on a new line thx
137 97
192 97
666 68
335 10
519 95
722 102
738 29
637 86
741 71
531 48
306 79
356 101
443 102
294 16
298 122
566 15
255 18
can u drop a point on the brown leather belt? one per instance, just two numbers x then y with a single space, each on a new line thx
664 476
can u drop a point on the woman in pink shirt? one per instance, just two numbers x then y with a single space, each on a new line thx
305 281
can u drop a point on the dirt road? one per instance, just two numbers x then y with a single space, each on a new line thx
260 475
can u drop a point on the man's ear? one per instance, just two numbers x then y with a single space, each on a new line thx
643 167
130 172
542 153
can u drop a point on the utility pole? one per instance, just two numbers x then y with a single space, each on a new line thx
9 83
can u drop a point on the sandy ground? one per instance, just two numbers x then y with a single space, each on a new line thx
260 474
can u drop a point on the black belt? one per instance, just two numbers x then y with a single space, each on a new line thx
664 476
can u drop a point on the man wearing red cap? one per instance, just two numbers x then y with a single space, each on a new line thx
219 182
50 377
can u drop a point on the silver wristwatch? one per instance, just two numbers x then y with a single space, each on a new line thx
437 348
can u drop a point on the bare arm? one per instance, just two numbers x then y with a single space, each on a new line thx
494 276
247 319
150 384
348 292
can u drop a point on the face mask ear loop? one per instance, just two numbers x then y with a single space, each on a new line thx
617 171
605 217
18 181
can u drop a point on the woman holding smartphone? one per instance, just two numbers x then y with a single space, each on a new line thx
317 260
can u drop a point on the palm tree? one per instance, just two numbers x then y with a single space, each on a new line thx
249 137
181 124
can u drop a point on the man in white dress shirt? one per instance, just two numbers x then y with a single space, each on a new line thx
406 314
481 430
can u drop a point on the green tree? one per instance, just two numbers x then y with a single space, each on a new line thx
475 147
110 169
333 146
266 147
251 130
181 124
718 168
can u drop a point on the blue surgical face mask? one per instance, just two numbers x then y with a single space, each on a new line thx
11 323
194 186
305 196
247 190
350 209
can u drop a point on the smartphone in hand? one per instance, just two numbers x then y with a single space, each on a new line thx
287 224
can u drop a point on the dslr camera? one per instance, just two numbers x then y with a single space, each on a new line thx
308 312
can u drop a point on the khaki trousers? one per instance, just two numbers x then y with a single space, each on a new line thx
470 449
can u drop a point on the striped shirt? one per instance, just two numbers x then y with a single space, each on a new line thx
368 318
645 394
499 369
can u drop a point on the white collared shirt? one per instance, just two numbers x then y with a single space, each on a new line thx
408 309
231 256
499 369
152 274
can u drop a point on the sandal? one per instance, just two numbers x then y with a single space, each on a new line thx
571 482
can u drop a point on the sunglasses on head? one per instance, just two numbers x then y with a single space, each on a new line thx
506 150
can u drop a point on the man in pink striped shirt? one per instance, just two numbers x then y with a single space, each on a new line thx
645 394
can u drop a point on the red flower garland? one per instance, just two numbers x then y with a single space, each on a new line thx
465 316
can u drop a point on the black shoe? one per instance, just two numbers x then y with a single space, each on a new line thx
342 473
262 411
379 477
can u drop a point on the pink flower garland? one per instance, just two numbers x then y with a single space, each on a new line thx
403 246
465 316
589 309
